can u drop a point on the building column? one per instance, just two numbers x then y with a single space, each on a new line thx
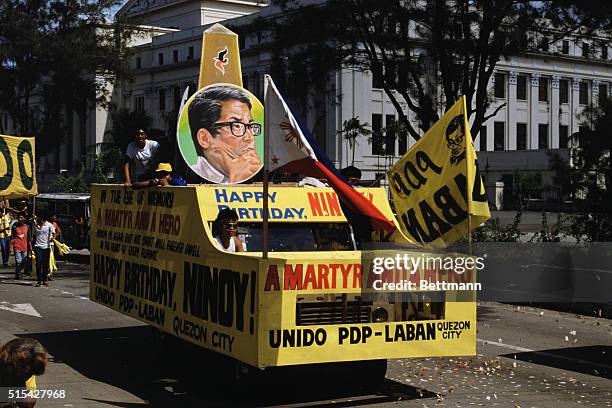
554 112
574 105
511 111
533 112
595 92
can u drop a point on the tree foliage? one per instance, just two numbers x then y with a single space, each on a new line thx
590 175
415 48
57 58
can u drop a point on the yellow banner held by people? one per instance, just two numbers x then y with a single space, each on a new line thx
17 167
220 61
436 184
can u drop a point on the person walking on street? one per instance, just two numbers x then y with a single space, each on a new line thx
43 235
21 243
5 236
141 158
53 252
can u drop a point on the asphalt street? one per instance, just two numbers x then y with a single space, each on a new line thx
526 357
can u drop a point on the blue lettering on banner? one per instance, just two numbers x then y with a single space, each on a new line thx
256 213
221 195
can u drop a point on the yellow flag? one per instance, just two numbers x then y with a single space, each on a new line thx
220 61
436 184
17 167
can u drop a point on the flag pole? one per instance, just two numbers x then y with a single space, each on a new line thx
265 170
469 176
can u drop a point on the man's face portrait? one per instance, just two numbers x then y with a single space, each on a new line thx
224 134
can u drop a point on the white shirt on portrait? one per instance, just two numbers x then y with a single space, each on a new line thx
205 170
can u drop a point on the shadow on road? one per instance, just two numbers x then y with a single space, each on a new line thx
590 360
130 358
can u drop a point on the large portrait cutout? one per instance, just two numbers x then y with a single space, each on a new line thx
220 134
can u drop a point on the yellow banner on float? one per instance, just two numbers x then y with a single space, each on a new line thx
287 204
17 167
436 184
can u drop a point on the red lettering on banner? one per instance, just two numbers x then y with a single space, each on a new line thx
272 279
310 278
293 277
315 204
333 204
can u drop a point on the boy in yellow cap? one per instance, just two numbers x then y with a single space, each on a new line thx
161 177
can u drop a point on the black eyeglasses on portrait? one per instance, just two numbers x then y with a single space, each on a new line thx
229 225
239 129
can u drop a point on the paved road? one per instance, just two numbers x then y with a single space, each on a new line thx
526 357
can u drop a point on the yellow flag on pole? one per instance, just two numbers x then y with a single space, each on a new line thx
436 184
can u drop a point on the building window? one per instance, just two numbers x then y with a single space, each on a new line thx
563 134
402 142
500 86
138 63
390 135
139 103
543 90
376 134
483 139
542 136
583 95
175 56
162 99
521 136
563 91
604 51
521 88
176 97
499 134
565 47
603 93
544 44
377 81
160 58
585 49
190 53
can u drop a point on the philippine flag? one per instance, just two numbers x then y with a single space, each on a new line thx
291 151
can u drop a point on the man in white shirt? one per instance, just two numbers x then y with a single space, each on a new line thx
141 157
43 235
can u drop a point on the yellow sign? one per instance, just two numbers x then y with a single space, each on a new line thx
220 61
153 258
17 167
287 204
436 184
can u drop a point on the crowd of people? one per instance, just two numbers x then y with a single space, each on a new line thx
31 239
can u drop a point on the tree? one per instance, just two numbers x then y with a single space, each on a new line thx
66 54
352 129
591 173
415 47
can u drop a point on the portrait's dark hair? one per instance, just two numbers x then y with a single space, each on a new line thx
226 214
351 171
19 360
456 123
205 109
